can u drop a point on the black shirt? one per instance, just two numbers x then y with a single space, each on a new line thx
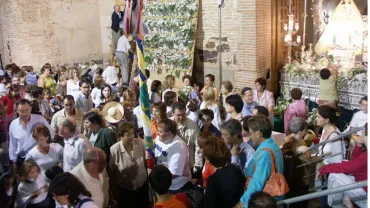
225 187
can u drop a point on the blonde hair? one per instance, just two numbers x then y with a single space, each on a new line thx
71 70
209 96
169 82
63 78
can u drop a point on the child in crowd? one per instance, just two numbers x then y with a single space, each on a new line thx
33 189
8 190
119 94
61 88
328 88
31 77
22 77
160 179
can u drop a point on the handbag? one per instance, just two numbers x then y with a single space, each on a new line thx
276 184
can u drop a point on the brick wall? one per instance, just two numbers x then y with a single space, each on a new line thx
246 39
59 31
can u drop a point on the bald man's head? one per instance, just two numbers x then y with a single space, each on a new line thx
70 123
95 157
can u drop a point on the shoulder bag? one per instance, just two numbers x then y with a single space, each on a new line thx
276 184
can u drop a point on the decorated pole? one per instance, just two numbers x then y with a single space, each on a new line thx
144 102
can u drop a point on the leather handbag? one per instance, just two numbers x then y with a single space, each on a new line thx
276 184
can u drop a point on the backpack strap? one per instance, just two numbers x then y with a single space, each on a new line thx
83 201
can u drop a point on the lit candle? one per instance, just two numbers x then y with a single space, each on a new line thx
296 26
298 39
286 27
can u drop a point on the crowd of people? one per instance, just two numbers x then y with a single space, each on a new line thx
72 140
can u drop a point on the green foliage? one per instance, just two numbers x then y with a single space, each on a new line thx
280 107
172 30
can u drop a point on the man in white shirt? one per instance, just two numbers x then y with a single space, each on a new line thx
110 77
172 152
83 99
74 145
69 110
189 131
359 119
20 133
91 172
123 48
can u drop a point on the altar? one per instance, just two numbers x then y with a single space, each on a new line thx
342 48
350 91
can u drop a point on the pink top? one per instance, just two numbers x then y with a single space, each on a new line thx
267 100
296 109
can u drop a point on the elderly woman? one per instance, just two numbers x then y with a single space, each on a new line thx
127 168
188 82
264 97
73 83
297 108
294 145
226 185
46 79
46 154
99 135
260 129
159 114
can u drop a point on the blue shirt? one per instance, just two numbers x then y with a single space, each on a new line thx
248 109
244 157
263 169
21 139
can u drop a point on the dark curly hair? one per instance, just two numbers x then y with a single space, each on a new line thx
193 105
325 73
296 93
67 184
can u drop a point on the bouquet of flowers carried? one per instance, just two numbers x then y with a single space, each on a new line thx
184 94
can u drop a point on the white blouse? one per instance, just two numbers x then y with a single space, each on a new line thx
72 88
46 161
333 147
96 96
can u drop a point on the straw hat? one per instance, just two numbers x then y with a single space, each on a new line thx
112 112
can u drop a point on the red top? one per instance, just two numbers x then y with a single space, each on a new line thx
208 170
9 103
179 200
357 166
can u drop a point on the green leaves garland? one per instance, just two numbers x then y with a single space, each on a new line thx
170 43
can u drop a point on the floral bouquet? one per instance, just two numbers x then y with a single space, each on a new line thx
184 94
